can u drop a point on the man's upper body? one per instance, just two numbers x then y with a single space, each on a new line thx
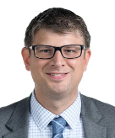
98 119
57 53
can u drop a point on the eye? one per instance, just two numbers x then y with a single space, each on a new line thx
45 51
69 51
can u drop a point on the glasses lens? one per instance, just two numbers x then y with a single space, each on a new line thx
44 51
71 51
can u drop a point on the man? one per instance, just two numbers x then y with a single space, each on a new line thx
57 53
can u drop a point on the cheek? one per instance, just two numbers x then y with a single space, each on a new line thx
37 67
77 64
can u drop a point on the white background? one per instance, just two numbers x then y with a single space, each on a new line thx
99 79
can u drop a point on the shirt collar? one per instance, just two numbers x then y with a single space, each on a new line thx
72 114
43 117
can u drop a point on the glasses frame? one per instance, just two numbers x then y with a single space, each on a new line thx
57 49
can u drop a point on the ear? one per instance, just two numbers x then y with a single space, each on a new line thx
26 57
86 58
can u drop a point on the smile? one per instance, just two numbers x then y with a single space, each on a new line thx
58 74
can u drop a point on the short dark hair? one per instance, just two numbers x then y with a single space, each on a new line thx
58 20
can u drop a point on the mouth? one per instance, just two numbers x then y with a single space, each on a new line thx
57 76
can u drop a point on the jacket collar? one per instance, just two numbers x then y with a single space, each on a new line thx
91 118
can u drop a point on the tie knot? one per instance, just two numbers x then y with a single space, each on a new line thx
58 125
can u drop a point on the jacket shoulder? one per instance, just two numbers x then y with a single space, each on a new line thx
102 106
7 111
106 110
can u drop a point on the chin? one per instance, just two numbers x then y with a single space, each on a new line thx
58 89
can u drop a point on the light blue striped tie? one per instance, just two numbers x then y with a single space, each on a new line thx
58 125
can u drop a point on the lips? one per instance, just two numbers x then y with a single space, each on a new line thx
57 76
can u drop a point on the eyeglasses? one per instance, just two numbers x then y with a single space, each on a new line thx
47 52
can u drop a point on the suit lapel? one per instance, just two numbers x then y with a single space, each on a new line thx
91 118
20 133
18 122
92 129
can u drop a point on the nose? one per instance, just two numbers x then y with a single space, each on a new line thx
58 60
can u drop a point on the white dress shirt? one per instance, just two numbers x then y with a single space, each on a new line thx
40 118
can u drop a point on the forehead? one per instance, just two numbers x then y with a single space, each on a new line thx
48 37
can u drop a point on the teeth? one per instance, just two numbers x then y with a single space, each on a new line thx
57 74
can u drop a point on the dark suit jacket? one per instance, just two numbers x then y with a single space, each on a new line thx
98 119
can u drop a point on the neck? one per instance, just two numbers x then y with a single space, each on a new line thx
55 104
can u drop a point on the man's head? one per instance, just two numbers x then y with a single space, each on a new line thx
58 20
57 76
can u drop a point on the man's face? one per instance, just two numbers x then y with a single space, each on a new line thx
58 75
